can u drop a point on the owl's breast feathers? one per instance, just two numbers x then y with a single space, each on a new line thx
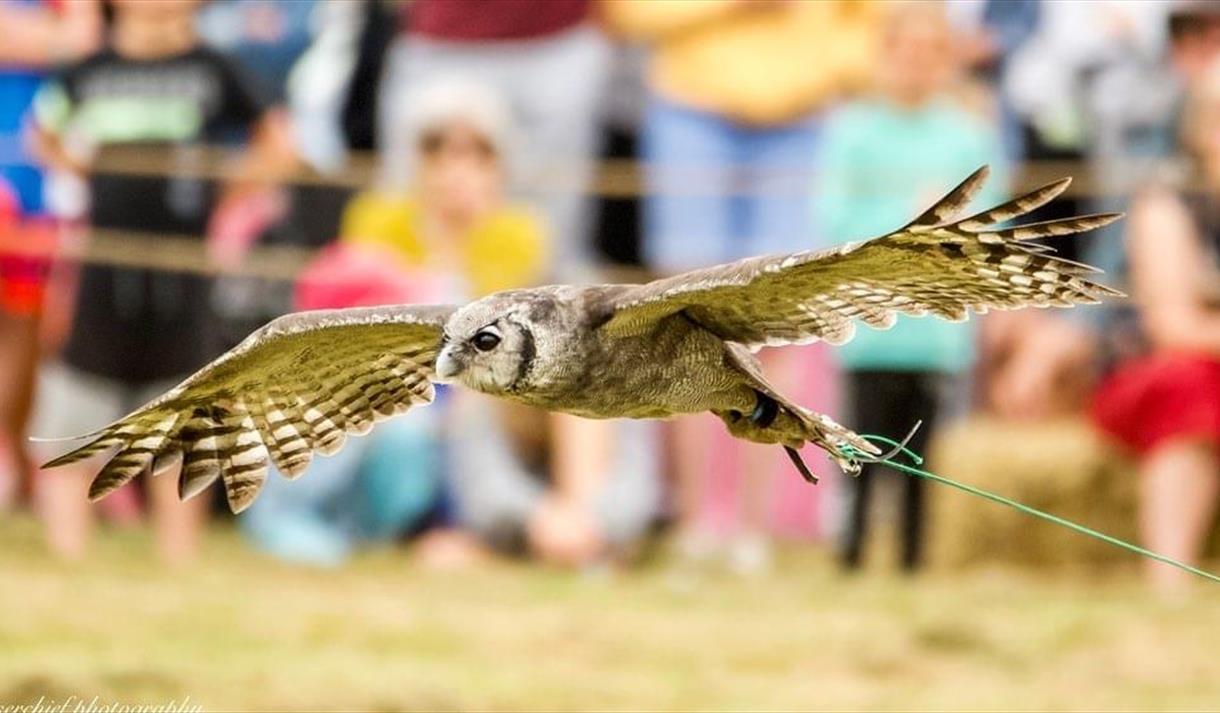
674 367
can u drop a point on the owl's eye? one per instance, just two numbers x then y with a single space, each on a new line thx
486 340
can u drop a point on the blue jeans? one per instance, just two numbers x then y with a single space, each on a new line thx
376 488
720 191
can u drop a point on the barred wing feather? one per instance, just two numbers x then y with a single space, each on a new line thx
300 384
938 264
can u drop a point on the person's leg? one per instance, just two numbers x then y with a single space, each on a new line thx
762 466
855 534
1179 485
18 362
495 494
69 403
922 405
630 498
308 521
875 397
859 488
778 166
688 162
557 88
177 525
400 478
688 159
773 213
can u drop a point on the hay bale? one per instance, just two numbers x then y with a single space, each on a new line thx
1061 467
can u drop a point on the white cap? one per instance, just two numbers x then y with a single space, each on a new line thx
442 102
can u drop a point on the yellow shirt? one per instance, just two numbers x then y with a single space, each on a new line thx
764 63
505 250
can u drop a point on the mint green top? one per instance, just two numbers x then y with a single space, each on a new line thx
882 166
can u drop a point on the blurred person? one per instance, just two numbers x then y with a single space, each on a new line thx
452 234
1052 80
263 37
1136 105
137 331
386 486
40 34
885 156
618 230
266 40
1086 84
333 89
457 224
1136 100
550 64
1042 365
1162 400
1051 74
730 140
989 33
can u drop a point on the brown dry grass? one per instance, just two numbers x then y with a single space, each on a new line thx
239 631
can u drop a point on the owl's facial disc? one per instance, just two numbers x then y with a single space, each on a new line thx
492 358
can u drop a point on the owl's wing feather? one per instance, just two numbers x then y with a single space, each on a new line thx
299 384
939 264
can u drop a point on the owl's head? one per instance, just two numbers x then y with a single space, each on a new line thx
494 345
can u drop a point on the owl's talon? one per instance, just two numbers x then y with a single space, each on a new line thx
795 457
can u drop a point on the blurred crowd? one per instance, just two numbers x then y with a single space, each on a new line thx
518 142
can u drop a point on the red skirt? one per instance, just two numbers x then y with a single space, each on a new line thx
26 254
1159 398
27 246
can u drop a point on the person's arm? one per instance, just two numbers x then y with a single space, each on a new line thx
270 157
49 151
51 114
1168 275
37 36
580 457
248 200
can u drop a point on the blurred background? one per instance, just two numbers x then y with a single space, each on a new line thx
175 174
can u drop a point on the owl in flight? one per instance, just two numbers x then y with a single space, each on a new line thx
679 345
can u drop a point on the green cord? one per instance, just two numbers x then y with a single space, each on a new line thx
1027 509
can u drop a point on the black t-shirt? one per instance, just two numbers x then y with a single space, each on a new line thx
140 325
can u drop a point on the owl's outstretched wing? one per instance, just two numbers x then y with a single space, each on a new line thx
299 384
939 264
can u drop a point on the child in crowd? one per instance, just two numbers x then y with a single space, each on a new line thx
153 88
887 157
730 135
449 237
1162 401
37 34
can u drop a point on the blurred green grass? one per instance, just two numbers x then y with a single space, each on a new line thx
238 631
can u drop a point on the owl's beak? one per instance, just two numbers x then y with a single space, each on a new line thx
446 366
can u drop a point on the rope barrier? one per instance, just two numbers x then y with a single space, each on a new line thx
171 252
1034 512
612 178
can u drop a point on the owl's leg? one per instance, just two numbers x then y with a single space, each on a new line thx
763 415
774 420
766 410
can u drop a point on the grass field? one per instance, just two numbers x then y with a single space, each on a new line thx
239 631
